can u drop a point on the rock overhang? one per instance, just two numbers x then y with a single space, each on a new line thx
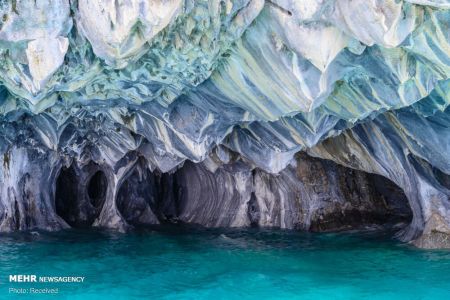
179 81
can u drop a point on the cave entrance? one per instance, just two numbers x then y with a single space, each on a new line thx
66 195
391 198
138 197
79 197
370 200
96 189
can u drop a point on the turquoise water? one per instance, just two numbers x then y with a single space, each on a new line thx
182 263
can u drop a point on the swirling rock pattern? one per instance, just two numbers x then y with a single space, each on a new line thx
195 111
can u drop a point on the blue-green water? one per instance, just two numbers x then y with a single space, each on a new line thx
213 264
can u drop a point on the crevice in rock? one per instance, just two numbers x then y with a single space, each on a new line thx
282 9
442 178
253 210
16 215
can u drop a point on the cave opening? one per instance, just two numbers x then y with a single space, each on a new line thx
138 197
392 198
370 200
66 195
97 188
79 197
337 198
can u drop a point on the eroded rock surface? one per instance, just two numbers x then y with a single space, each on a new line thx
195 111
309 194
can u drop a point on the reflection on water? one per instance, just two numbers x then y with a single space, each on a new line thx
192 263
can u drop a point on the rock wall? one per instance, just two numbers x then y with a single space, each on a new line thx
107 107
310 194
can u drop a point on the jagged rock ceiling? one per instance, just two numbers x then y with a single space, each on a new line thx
362 82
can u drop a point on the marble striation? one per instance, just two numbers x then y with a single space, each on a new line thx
226 113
